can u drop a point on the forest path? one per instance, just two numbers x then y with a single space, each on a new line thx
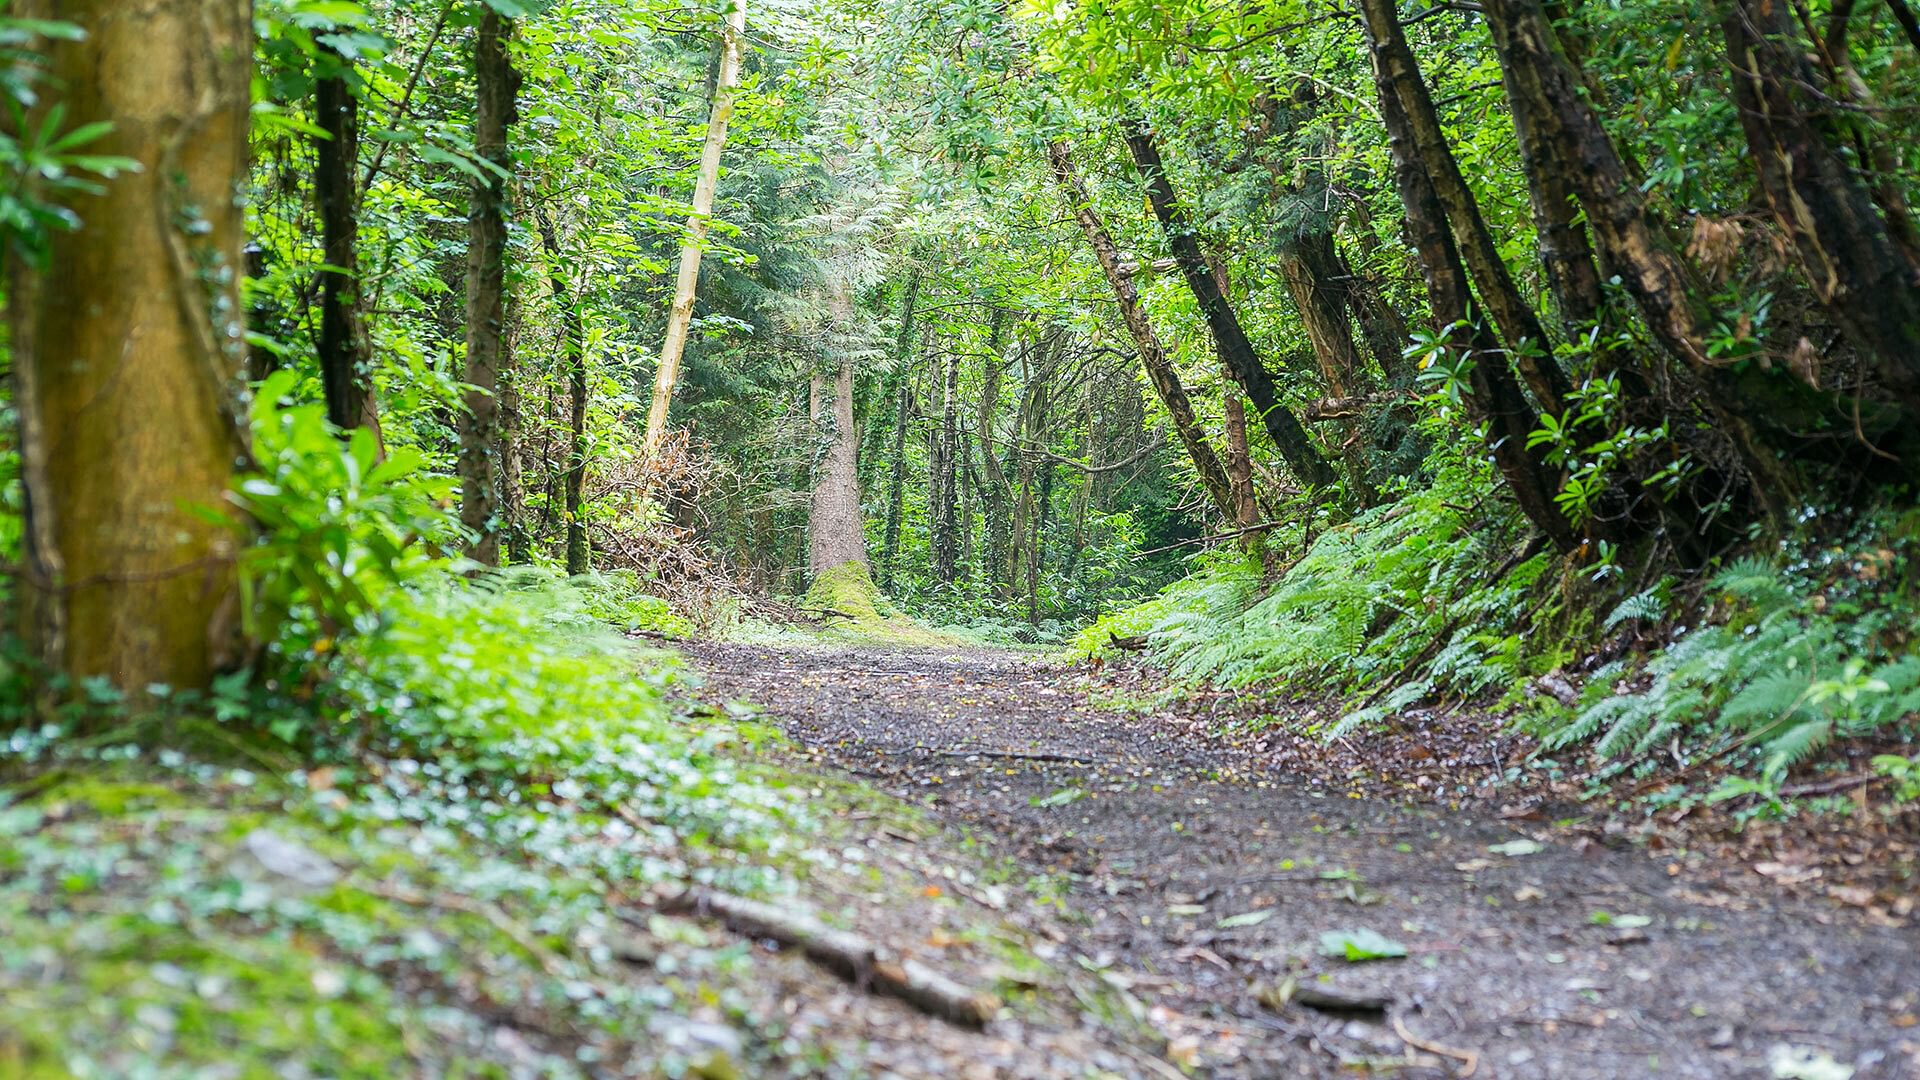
1201 877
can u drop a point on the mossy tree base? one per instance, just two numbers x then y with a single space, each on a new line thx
857 609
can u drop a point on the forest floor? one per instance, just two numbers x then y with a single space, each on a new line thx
1205 880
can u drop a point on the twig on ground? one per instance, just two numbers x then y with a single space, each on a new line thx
1469 1059
855 958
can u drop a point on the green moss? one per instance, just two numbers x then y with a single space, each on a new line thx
849 590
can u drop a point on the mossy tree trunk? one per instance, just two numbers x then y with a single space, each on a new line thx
835 529
497 84
127 347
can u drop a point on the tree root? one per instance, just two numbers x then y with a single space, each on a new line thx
855 958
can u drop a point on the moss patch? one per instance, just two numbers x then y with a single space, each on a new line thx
849 590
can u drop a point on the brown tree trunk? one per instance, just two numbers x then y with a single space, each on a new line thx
1239 456
1236 351
1495 396
513 491
1303 261
1527 343
945 511
1866 281
496 83
127 350
835 530
346 353
1153 355
573 345
996 494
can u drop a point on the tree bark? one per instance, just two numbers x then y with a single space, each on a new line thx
346 352
573 346
1495 397
1235 350
1527 344
1869 286
1153 355
680 315
1303 262
946 479
127 348
835 530
996 493
496 84
902 415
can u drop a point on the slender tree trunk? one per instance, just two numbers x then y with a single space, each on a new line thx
346 352
1239 457
680 315
1849 255
1526 340
1495 396
896 485
996 493
513 491
1235 350
127 351
1153 355
835 531
573 345
497 83
946 510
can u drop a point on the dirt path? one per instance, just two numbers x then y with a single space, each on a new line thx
1201 878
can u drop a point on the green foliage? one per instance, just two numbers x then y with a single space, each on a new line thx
43 163
332 527
1803 654
1903 771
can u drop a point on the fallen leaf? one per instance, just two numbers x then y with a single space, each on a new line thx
1513 849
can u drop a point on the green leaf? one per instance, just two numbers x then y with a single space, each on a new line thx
1513 849
1357 946
1249 918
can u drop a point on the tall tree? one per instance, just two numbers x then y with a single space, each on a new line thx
497 85
835 529
127 345
573 345
1153 355
680 315
346 352
1236 351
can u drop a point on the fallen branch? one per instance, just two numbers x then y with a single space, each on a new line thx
1468 1058
849 955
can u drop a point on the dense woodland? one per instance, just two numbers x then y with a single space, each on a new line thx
1559 356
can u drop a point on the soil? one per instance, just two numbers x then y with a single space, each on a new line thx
1198 875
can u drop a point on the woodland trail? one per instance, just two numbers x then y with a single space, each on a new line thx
1198 877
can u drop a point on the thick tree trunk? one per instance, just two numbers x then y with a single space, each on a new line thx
1153 355
1495 396
573 345
835 531
1235 350
496 84
346 353
680 315
946 479
1527 344
1239 457
1849 255
127 350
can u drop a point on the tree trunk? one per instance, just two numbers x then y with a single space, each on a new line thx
346 353
1867 283
513 492
1235 350
835 531
946 485
1494 396
896 486
1527 343
496 84
680 315
1153 356
1323 312
573 345
127 349
996 494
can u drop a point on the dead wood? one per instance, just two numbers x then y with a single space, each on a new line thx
859 960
